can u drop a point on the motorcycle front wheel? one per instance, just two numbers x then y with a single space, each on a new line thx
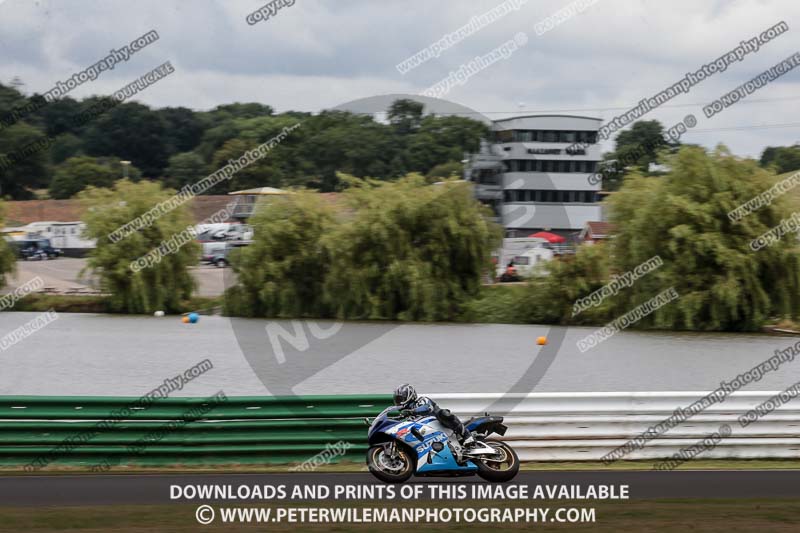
390 469
501 467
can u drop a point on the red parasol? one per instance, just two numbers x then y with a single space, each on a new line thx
549 237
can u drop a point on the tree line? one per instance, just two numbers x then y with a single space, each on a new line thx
639 149
405 244
177 146
409 249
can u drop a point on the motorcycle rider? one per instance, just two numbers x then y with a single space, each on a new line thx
406 397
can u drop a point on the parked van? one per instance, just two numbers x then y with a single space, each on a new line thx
68 237
520 256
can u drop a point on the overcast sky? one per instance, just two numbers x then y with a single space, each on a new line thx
318 54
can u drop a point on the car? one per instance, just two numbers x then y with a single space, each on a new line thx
36 249
217 253
220 260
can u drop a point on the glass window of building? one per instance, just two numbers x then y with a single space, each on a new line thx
503 136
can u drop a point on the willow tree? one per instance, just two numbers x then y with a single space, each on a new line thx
165 283
281 274
551 296
8 260
408 250
722 282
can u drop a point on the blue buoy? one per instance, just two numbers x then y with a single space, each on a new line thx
193 318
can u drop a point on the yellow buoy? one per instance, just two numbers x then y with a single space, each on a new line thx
185 319
541 341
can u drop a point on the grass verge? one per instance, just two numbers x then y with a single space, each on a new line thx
62 303
640 515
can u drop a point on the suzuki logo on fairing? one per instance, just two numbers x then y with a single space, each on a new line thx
438 438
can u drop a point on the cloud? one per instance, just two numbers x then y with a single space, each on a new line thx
317 54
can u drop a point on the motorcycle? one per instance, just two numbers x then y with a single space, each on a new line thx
400 447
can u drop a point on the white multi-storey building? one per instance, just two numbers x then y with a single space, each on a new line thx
536 173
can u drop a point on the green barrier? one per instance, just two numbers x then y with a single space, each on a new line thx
87 431
245 407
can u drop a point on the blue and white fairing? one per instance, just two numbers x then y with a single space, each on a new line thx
431 431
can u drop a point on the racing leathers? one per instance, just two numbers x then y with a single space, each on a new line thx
425 406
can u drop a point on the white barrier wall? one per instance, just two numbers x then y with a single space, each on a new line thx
586 426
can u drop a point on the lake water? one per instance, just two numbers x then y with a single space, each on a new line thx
85 354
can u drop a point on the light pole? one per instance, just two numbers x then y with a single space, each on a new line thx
125 165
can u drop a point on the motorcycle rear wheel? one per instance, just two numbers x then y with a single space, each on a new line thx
388 469
503 468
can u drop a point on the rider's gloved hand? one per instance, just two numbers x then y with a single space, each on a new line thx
406 412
